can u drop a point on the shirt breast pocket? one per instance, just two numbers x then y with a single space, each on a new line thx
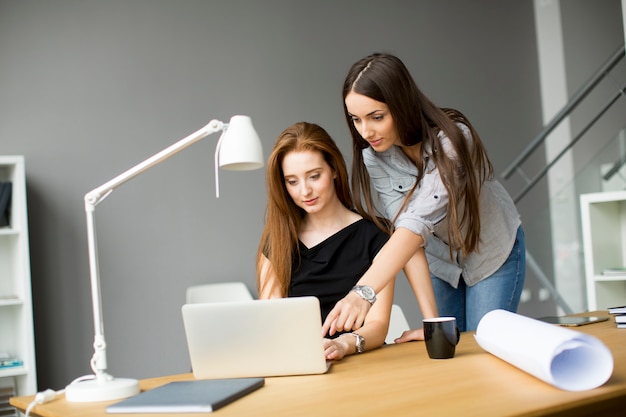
402 184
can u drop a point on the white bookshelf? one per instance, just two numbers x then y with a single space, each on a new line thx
603 218
16 310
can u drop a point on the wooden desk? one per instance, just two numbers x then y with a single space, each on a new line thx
400 380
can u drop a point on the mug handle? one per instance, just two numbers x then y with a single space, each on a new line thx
458 335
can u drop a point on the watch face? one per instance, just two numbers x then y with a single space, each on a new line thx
368 292
365 292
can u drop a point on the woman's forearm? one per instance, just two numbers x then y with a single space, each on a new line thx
418 275
350 312
267 284
392 257
376 324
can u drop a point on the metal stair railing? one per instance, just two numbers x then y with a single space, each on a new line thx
567 109
515 166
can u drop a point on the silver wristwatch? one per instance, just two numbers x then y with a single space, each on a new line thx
365 292
360 343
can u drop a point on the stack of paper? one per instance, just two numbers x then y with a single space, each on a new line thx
620 316
614 271
565 358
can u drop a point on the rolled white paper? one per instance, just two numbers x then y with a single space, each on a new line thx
565 358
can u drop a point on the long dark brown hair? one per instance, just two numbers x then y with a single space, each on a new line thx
385 78
283 218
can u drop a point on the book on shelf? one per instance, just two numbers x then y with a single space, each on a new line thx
6 392
621 325
11 363
617 310
5 203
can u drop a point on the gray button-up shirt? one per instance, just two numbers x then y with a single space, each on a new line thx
393 175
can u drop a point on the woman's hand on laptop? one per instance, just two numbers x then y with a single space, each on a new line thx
410 335
348 314
338 348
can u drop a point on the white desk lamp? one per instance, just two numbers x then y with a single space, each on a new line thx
238 148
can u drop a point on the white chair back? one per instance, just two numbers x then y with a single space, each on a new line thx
217 292
397 324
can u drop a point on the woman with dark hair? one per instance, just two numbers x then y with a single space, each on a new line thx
313 243
435 183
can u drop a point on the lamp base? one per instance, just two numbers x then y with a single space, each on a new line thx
94 390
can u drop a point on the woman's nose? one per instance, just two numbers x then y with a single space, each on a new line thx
305 188
365 130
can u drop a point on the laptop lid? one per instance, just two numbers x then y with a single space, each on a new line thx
256 338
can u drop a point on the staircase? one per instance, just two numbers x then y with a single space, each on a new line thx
596 154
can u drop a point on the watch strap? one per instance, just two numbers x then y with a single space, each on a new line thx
359 343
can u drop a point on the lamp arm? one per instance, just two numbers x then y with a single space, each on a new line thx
98 194
92 198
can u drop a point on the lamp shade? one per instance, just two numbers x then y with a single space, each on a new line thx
240 148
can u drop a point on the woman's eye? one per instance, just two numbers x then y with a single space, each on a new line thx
291 182
315 176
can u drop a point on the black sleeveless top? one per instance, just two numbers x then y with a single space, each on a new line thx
330 269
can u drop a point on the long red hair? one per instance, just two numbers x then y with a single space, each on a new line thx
283 218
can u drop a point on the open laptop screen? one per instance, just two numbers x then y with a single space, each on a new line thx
256 338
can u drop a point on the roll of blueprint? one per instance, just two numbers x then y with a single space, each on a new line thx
568 359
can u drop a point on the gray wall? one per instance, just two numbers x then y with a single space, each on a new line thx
90 88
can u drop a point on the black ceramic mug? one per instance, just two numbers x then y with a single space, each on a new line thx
441 336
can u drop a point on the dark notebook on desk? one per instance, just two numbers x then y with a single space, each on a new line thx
197 396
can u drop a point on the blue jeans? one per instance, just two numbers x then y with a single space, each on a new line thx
502 290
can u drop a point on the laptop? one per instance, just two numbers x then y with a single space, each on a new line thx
256 338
